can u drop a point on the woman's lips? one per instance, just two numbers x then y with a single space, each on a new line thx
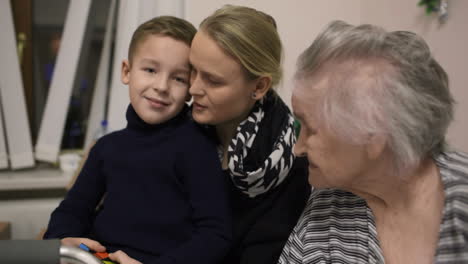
198 106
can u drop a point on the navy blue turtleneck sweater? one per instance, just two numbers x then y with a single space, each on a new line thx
164 195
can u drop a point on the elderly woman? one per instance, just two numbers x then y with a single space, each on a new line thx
374 108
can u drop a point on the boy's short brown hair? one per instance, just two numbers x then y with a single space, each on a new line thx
170 26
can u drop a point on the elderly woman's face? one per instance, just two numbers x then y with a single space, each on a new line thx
332 162
221 92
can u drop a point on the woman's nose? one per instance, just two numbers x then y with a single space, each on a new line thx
195 87
300 149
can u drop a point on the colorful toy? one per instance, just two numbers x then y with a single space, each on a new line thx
102 256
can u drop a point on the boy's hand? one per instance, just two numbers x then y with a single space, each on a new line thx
122 258
76 241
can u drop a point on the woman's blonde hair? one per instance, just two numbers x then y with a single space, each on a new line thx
250 36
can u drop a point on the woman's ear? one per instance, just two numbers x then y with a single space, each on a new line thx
125 72
376 146
262 86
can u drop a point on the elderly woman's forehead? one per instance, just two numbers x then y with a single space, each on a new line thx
345 74
361 67
309 88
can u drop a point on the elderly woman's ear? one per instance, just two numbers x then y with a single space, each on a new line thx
376 146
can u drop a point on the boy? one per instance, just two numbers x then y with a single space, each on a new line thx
165 199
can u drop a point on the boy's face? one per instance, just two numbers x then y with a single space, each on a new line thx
158 78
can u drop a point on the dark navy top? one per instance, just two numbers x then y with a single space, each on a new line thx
165 198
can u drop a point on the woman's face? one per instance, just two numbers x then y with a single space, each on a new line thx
332 161
221 92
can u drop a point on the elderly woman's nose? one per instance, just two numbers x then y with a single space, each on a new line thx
300 147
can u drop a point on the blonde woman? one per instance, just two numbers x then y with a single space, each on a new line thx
236 60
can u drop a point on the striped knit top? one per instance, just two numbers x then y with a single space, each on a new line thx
338 226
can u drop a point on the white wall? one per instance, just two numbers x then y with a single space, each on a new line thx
299 21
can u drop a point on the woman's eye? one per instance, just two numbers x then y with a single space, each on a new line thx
311 130
213 82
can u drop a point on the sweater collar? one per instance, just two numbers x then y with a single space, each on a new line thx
135 123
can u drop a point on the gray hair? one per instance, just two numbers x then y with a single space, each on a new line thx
379 82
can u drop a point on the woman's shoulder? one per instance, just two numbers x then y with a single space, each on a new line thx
453 166
332 202
454 229
333 222
327 207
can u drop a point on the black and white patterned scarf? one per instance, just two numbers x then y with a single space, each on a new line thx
261 154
